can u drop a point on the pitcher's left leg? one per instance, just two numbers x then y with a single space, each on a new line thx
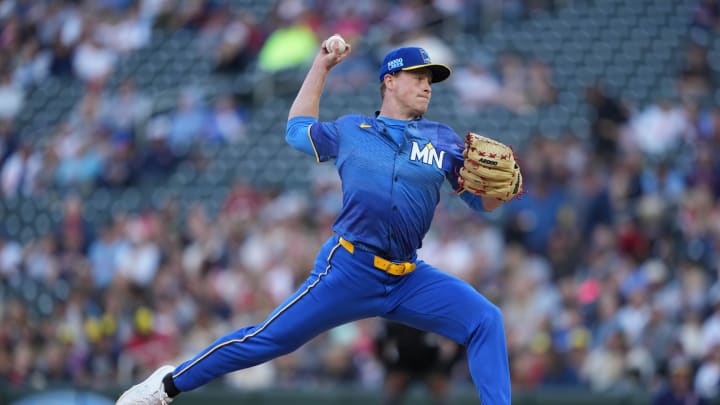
435 301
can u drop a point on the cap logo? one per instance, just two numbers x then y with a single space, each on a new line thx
425 56
409 58
395 64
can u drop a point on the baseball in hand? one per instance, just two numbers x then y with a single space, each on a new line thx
335 43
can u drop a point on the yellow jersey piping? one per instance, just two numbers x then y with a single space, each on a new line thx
317 155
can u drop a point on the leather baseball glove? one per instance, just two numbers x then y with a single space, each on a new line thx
490 169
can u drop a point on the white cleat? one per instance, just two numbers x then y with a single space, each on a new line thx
149 392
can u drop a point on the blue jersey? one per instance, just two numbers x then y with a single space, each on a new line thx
390 190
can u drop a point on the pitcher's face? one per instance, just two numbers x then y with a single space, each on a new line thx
412 90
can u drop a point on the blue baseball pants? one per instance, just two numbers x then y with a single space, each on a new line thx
345 287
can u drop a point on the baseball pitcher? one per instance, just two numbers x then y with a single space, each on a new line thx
392 166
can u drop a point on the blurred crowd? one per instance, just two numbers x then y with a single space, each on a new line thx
606 270
117 130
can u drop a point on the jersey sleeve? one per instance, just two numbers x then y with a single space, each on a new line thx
452 173
310 136
297 134
456 161
473 201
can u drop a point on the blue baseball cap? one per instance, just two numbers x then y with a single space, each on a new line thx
411 58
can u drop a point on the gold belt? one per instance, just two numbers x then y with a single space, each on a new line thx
396 269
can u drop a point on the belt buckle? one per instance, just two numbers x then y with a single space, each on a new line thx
399 269
396 269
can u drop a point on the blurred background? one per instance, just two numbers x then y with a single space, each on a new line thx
149 203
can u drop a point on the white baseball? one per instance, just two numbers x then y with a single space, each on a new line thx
335 43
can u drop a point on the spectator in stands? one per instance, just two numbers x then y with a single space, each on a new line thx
664 181
606 365
238 44
530 298
565 362
227 121
75 232
21 369
81 161
33 64
119 166
11 257
690 336
157 160
476 85
147 347
5 363
634 315
660 335
102 255
540 87
52 366
608 118
61 62
520 86
705 173
41 261
699 225
8 139
695 78
290 45
127 109
126 31
707 378
336 360
679 390
204 249
85 115
103 355
242 203
513 79
534 217
409 15
706 15
188 122
711 328
19 173
190 15
350 20
92 61
563 248
138 260
409 356
659 128
12 96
